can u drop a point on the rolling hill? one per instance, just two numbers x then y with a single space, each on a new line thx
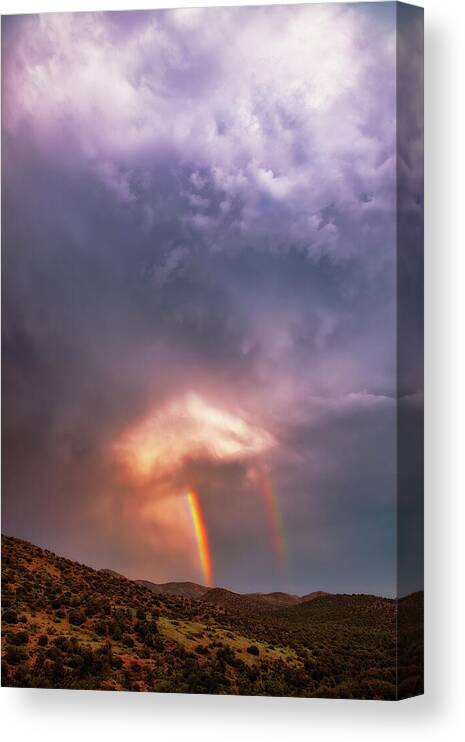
66 625
221 596
182 589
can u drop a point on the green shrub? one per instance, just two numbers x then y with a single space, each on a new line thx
19 638
252 649
76 618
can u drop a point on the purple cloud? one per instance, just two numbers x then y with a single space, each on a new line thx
202 201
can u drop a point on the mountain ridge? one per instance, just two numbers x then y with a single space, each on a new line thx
197 591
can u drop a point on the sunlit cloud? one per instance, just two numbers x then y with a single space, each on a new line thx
189 427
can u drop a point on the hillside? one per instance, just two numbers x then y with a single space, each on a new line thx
183 589
236 602
221 596
66 625
276 599
356 610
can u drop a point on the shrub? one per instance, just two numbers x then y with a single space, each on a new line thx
53 653
62 643
20 638
15 655
100 628
42 640
116 632
146 631
10 616
253 650
226 655
76 618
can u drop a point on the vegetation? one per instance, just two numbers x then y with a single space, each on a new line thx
66 625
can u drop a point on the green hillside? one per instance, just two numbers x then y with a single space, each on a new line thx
66 625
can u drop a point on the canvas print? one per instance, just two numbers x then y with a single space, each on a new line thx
212 364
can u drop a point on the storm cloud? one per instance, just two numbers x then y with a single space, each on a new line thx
202 202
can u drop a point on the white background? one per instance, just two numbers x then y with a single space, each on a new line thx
82 715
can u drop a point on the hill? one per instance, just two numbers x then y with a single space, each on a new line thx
254 602
276 599
221 596
235 602
312 596
183 589
66 625
356 610
112 573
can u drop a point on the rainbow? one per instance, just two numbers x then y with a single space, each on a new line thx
275 520
200 536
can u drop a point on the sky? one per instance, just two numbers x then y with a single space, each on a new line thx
199 283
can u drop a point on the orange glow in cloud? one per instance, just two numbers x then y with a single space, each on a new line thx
185 427
153 454
201 537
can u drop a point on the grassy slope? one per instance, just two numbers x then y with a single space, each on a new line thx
66 625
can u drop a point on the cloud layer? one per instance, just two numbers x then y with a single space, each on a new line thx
200 206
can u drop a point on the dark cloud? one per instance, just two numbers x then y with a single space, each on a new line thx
190 215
